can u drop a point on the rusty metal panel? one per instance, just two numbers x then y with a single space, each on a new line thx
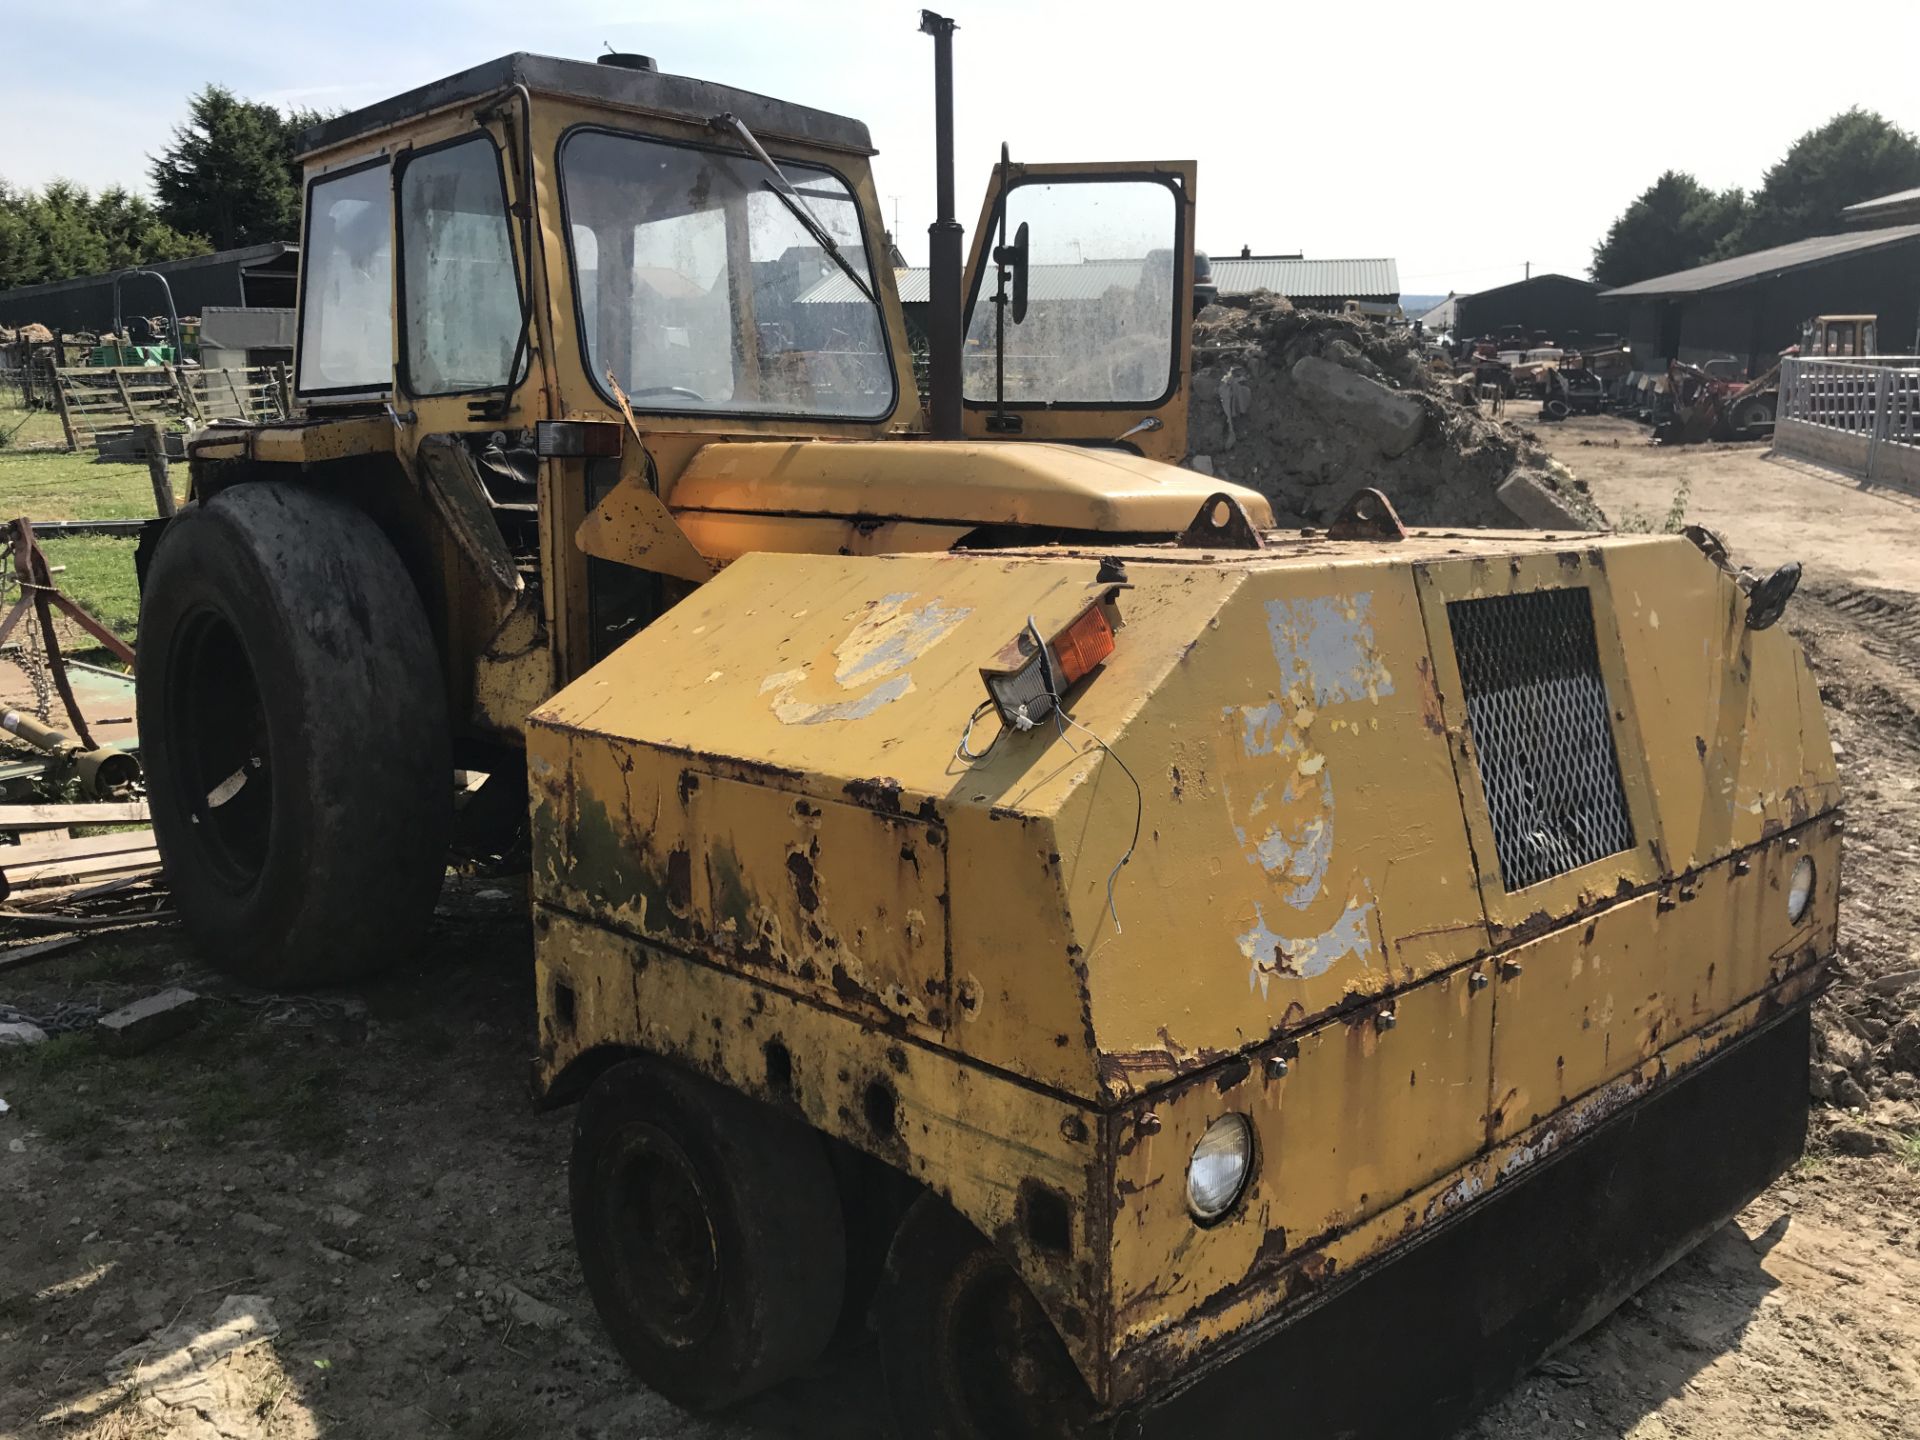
841 901
816 895
1593 1001
1735 738
1305 844
1283 1282
989 1145
1363 1116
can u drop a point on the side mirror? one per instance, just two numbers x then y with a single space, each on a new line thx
1014 258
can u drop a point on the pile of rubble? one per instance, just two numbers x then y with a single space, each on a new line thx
1308 407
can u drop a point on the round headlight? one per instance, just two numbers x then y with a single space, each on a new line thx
1221 1164
1800 889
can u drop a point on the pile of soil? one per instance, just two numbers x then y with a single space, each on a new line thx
1865 647
1308 407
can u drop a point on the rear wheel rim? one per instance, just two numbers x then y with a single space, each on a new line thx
217 725
669 1255
1003 1366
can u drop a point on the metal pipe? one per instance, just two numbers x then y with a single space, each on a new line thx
102 771
944 261
173 316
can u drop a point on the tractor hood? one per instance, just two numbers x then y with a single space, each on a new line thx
968 483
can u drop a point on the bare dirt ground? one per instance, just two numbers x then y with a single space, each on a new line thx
1770 509
339 1216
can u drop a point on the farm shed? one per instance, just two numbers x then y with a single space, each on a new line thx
255 277
1750 308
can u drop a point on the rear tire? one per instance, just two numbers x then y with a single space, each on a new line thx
294 732
967 1352
709 1232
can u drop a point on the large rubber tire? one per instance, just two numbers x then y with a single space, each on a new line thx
294 731
965 1348
709 1231
1753 414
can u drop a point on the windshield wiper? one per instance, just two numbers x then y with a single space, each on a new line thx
790 198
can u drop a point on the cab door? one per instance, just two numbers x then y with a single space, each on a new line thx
1093 343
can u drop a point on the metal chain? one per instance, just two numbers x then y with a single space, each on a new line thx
29 655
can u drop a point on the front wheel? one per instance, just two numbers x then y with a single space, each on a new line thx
294 733
709 1230
967 1351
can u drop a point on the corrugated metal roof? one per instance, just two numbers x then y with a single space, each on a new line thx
1725 274
1883 202
1299 279
1307 279
1044 282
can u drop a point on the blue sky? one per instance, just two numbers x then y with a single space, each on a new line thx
1462 148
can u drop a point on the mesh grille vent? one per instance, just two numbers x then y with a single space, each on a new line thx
1537 707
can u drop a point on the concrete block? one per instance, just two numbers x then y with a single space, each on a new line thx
21 1032
1391 419
139 1027
1536 506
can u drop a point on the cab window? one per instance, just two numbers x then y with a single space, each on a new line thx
346 291
700 292
1101 307
459 292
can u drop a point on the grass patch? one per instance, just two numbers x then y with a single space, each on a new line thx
21 428
226 1078
1909 1150
41 479
100 577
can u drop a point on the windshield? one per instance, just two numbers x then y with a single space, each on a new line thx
701 291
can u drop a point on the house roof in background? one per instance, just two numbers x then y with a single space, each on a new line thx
1298 278
1899 200
1289 276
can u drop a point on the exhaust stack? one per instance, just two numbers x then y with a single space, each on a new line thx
943 245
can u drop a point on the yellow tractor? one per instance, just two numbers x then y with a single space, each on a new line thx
1160 971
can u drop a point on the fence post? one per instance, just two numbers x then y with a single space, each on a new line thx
66 418
153 435
1881 405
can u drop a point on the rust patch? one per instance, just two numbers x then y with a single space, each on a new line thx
679 881
805 889
1430 712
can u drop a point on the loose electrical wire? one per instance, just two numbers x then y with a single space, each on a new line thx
1062 719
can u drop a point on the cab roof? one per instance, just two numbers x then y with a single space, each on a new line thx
645 90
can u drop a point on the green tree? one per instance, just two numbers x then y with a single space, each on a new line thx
70 239
228 175
1855 156
134 233
62 231
19 243
1674 224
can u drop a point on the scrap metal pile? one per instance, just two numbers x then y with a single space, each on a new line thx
1308 406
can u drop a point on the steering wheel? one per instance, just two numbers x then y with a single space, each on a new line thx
668 390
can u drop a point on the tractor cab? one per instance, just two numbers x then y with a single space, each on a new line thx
1840 337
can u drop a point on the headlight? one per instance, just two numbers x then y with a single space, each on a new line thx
1800 889
1221 1164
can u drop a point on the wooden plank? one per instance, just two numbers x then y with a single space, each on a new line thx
120 384
66 420
67 872
40 950
30 844
47 899
41 817
79 848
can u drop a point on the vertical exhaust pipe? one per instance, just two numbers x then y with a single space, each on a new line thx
943 245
